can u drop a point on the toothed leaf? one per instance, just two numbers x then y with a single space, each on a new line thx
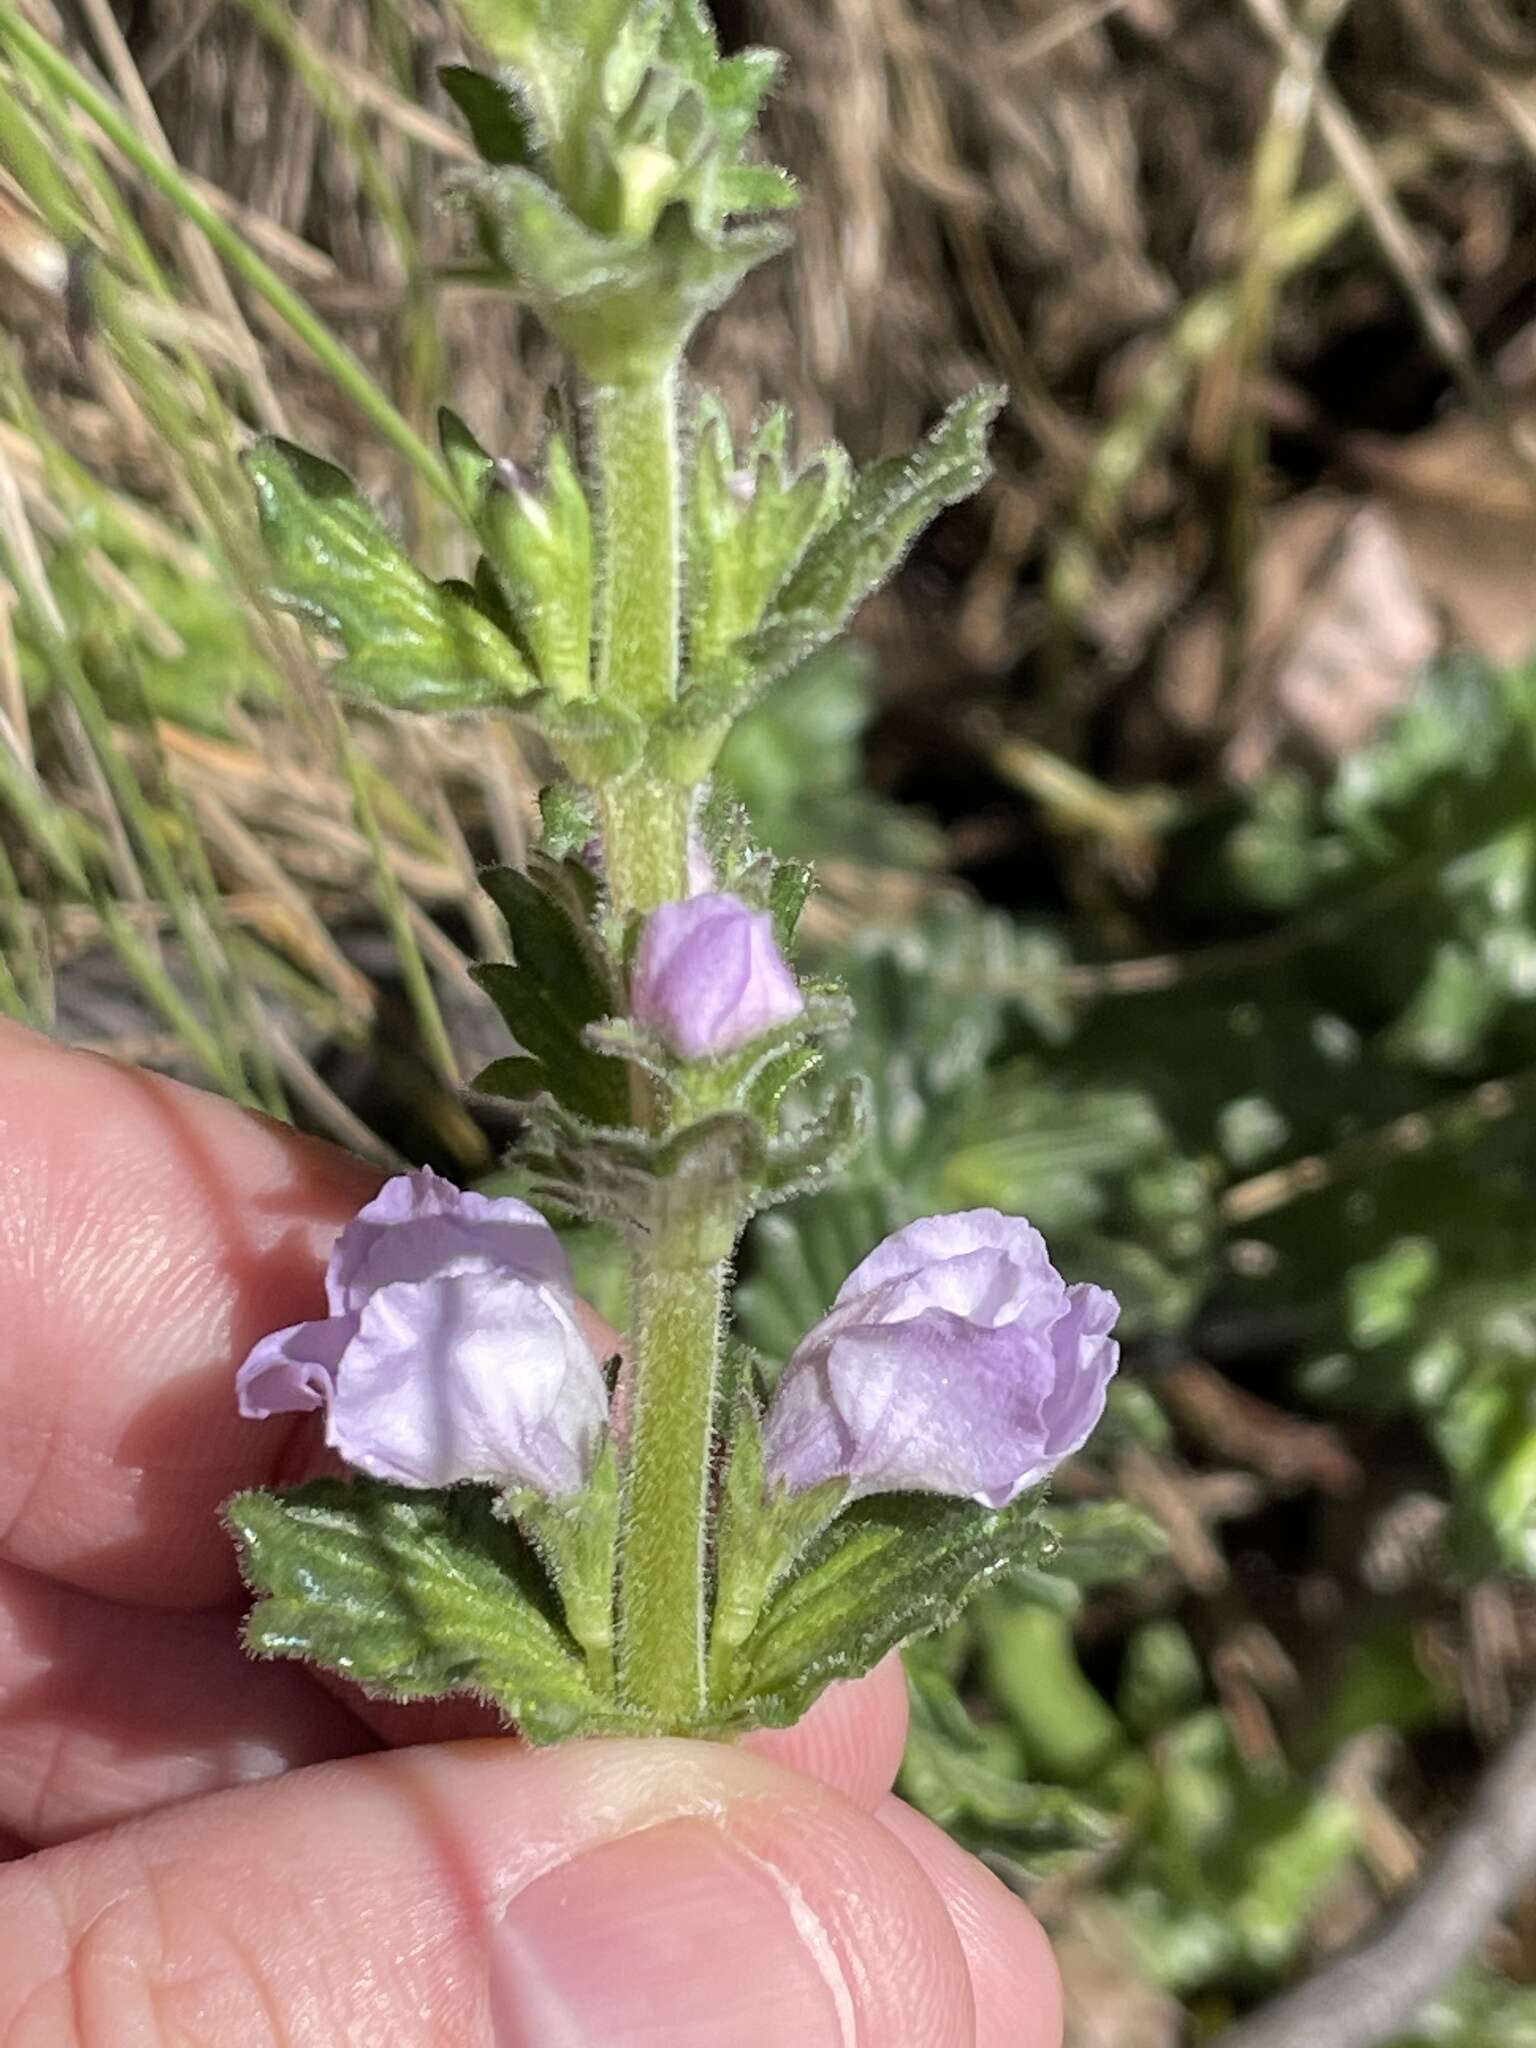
412 1595
411 644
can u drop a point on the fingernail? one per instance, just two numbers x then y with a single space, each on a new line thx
671 1938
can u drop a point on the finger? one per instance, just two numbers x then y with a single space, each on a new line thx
621 1894
107 1712
1013 1972
851 1739
148 1236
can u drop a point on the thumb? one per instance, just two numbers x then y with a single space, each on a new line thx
626 1894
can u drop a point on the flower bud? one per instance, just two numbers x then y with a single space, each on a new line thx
452 1350
955 1360
709 977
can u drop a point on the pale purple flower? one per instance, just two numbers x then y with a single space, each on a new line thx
452 1349
955 1360
709 977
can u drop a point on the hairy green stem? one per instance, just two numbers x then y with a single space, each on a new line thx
679 1270
676 1348
644 824
635 450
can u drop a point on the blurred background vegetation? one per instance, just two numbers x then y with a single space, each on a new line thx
1175 814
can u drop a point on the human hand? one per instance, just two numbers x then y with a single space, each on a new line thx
201 1850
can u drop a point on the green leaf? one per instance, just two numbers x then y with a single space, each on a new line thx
512 30
578 1541
776 1077
513 1078
1033 1677
962 1791
760 1534
888 1569
539 540
888 507
411 1595
555 986
805 1156
411 644
569 819
548 253
738 88
757 188
750 523
633 288
788 894
686 1184
494 111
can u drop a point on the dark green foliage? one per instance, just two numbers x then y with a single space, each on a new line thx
495 113
1301 1148
557 983
796 761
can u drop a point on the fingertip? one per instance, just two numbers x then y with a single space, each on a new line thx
630 1893
155 1233
1013 1970
852 1738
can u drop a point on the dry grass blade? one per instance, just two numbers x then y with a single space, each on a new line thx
200 258
1443 326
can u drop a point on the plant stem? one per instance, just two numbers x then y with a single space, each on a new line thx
676 1347
644 826
634 436
679 1268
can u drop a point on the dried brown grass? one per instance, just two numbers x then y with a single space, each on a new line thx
1061 192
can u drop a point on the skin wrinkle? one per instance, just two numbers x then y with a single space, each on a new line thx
141 1741
32 1485
109 1955
327 1990
85 1970
33 1823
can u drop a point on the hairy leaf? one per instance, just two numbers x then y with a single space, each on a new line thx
494 111
411 644
887 508
888 1569
553 988
412 1595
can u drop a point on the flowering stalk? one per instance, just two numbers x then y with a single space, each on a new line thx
678 1313
644 828
585 1550
636 462
679 1298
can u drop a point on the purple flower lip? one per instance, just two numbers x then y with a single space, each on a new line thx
955 1360
709 977
452 1350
